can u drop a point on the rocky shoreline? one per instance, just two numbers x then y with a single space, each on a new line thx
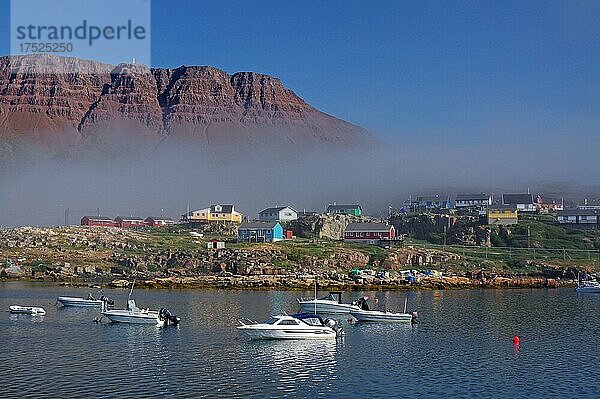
284 282
175 259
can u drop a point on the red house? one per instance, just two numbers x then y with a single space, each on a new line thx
159 221
369 233
98 221
129 221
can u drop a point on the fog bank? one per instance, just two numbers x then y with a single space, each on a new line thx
36 187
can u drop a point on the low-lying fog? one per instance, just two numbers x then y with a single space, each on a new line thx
36 187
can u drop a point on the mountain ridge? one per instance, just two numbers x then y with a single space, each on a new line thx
43 101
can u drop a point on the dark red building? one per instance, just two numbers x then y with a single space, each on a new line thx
98 221
369 233
159 221
129 221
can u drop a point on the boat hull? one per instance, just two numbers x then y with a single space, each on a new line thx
259 332
33 310
588 290
326 307
133 317
79 302
375 316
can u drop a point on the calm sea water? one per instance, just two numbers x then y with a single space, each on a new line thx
462 348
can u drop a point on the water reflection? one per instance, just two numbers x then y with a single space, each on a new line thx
24 318
461 348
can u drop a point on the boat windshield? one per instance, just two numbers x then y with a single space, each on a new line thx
308 318
328 297
272 320
313 321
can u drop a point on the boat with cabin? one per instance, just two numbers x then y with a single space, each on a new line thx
296 326
588 286
363 313
89 302
330 304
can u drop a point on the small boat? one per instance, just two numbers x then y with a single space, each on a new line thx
364 314
90 301
134 315
296 326
330 304
589 286
33 310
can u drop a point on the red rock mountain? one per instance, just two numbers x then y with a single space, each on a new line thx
43 101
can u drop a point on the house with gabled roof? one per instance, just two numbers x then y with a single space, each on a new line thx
522 202
278 214
214 213
98 221
257 231
587 204
129 221
352 209
431 202
588 219
159 221
369 233
481 200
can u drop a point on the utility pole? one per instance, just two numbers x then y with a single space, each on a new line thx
528 235
66 216
445 228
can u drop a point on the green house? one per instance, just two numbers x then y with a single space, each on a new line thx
354 209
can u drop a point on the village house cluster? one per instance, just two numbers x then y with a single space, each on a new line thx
271 224
585 215
126 221
503 210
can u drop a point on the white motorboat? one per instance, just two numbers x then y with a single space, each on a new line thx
589 286
296 326
364 314
33 310
134 315
90 301
330 304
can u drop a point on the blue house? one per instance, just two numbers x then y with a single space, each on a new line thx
260 232
426 203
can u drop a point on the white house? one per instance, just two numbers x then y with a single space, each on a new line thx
523 202
472 200
278 214
579 218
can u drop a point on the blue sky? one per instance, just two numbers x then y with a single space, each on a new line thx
480 72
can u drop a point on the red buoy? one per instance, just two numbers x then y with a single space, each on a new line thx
516 340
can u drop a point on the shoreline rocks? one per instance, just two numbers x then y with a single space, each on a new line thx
287 282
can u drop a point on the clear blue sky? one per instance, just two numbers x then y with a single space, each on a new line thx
482 71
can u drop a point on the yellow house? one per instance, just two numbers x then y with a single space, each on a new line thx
214 213
502 215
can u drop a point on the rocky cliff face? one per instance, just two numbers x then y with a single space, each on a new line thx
326 226
42 102
430 227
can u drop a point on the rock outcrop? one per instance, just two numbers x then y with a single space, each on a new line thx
325 226
433 227
44 102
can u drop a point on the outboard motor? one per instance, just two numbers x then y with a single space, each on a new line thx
107 301
339 331
169 318
329 323
415 318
